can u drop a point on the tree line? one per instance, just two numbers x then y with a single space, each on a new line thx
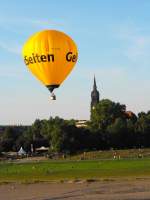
110 126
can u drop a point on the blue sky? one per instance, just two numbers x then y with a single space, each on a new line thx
113 39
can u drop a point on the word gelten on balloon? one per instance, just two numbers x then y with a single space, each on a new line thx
38 58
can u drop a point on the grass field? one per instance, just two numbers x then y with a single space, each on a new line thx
74 170
125 153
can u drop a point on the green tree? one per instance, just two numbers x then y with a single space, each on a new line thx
117 132
8 139
143 129
105 113
56 139
131 136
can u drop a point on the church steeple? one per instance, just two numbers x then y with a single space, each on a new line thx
94 86
94 95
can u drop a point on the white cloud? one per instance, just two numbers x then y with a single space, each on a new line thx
139 48
39 22
15 29
12 71
28 22
11 47
135 43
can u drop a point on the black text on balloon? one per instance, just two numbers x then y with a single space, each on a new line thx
70 57
35 58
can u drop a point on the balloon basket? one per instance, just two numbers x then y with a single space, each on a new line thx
53 96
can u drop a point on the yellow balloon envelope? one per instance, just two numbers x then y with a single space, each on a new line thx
50 55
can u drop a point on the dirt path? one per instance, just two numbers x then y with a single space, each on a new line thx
106 190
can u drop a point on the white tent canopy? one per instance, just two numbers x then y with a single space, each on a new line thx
21 152
42 148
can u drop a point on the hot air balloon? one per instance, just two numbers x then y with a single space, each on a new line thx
50 55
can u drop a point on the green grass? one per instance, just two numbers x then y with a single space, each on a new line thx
125 153
74 170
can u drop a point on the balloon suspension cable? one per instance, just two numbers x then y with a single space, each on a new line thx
53 96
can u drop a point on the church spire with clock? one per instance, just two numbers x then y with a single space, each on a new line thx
94 95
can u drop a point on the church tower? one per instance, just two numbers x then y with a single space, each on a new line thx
94 95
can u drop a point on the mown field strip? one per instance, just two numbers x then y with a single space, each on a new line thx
66 170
